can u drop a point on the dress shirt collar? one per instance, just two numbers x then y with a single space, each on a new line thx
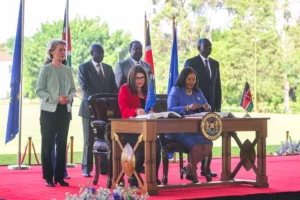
95 63
203 58
97 69
136 62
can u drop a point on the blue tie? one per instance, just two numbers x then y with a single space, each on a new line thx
207 69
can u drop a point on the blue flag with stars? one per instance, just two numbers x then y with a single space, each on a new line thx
173 70
13 128
173 64
151 97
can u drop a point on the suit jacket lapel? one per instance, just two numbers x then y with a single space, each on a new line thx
105 69
95 74
127 66
202 71
131 63
213 69
91 67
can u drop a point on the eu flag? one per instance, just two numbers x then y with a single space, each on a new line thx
173 68
13 128
151 97
173 64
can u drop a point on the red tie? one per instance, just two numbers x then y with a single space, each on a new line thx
100 72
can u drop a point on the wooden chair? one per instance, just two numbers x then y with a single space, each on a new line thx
102 107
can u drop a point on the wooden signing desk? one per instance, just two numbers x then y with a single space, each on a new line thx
148 130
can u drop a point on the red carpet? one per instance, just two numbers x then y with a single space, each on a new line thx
283 173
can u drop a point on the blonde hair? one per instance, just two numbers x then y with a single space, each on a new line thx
52 44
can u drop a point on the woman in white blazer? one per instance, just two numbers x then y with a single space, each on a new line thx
55 86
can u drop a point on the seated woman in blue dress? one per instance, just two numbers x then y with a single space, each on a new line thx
186 98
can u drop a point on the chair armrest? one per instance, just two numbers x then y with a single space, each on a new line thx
99 124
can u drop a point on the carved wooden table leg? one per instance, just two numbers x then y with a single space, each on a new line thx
226 157
262 178
150 137
116 159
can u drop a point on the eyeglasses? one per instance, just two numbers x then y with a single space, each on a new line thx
140 78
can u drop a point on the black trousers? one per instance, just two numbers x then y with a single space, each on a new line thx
54 124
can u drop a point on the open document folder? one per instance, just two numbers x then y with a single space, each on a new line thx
200 115
159 115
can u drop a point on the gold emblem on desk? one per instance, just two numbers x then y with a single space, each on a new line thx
211 126
128 160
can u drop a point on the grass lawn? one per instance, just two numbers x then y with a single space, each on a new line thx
11 159
277 127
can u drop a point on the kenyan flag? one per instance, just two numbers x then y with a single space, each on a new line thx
67 35
246 101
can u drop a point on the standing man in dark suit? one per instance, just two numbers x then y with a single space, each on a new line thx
123 67
94 77
209 80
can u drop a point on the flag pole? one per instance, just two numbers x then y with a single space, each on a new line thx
20 166
174 160
67 28
145 31
173 26
69 165
247 115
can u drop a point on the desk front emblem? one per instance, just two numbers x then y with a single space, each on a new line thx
128 160
211 126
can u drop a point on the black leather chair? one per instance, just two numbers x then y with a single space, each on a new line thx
102 107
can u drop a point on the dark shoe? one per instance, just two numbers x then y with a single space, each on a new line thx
194 178
158 182
208 178
49 183
133 182
103 173
86 174
61 182
183 172
212 174
189 176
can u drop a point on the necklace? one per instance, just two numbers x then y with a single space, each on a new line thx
189 93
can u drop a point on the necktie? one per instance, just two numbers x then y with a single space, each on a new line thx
100 72
207 69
